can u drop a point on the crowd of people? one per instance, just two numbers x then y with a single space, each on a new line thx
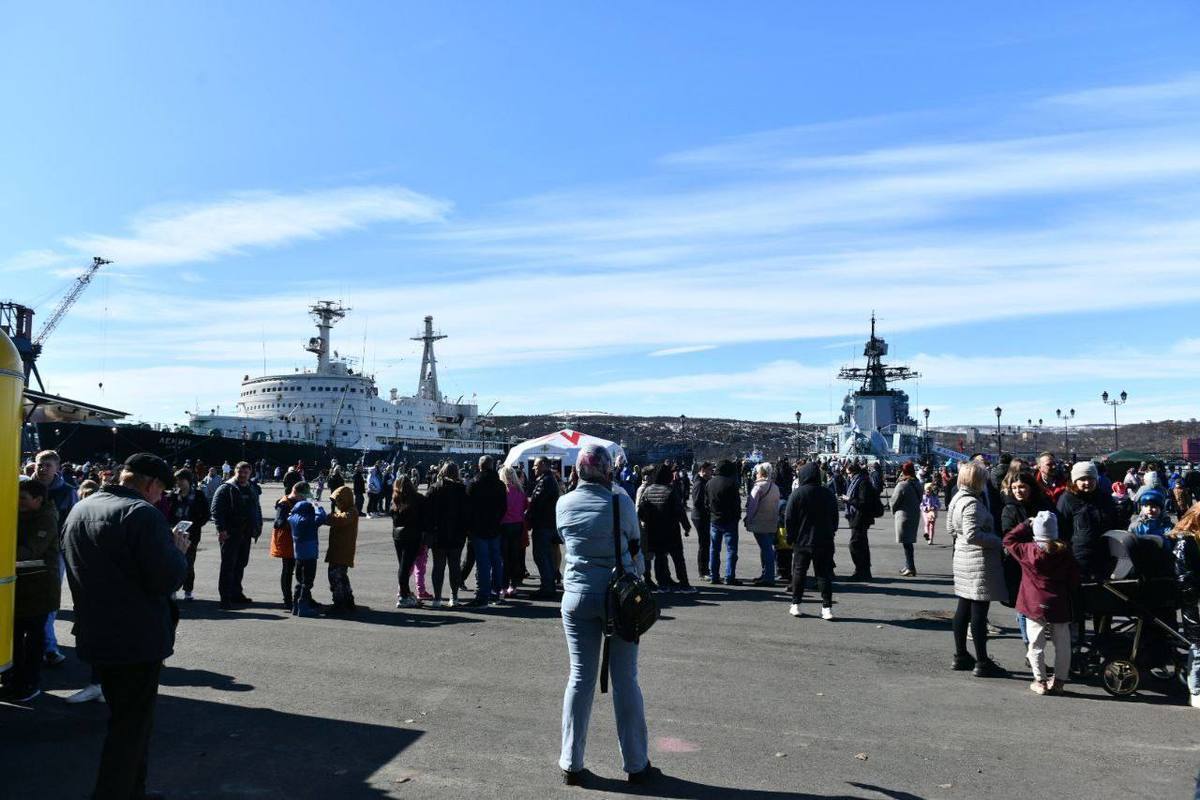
1025 534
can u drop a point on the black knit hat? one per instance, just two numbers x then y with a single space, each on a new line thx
151 466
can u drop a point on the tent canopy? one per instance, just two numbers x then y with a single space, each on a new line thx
563 445
1123 456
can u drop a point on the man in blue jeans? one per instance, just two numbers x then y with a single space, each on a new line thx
723 501
542 522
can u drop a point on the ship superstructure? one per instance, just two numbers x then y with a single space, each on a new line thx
875 419
335 406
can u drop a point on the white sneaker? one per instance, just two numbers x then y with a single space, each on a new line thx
87 694
437 603
794 610
452 602
1194 700
826 612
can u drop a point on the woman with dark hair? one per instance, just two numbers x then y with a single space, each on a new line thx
906 506
661 512
408 529
447 530
1023 499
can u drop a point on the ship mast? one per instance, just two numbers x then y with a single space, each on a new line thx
327 314
427 389
876 375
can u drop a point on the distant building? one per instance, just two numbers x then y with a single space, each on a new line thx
1191 449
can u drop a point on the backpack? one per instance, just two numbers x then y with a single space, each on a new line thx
629 607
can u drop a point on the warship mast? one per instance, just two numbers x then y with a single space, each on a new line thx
876 375
427 389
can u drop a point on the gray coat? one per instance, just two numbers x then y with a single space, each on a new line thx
978 573
906 506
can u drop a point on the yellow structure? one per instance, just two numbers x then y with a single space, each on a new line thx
12 385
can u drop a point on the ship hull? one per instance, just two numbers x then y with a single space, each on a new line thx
78 443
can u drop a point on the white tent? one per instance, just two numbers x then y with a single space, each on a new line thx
562 445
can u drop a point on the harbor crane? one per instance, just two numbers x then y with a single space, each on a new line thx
16 320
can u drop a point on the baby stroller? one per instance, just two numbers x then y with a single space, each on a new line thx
1135 613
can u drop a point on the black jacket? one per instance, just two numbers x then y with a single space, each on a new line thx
122 566
1082 520
488 501
722 497
661 513
811 515
699 509
1013 513
410 519
448 515
542 501
861 501
236 509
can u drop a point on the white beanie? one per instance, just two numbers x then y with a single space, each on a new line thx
1084 469
1045 527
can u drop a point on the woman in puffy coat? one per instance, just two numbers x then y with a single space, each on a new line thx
978 573
762 519
906 508
448 520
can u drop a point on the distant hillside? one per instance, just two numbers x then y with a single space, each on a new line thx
653 438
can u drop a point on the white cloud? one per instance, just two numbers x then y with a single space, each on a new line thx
678 351
208 231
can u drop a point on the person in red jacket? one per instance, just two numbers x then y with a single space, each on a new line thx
1049 576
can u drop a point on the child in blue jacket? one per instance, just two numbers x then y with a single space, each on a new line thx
304 520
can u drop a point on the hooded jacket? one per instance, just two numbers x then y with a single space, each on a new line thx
304 520
722 496
281 534
660 510
1048 578
235 509
343 529
811 516
542 500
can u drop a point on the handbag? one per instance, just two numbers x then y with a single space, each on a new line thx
629 607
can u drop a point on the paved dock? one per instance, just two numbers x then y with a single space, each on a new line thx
742 701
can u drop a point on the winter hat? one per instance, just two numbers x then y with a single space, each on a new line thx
1084 469
1045 527
1152 497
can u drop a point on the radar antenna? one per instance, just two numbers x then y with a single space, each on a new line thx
876 375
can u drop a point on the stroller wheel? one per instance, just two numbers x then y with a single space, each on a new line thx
1120 677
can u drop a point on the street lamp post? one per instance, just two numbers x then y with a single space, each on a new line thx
927 447
798 434
1116 401
999 433
1066 419
114 433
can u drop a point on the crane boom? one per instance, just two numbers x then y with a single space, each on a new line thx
57 315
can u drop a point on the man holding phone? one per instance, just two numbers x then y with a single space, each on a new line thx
123 564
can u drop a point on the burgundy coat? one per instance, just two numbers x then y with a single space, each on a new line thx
1047 579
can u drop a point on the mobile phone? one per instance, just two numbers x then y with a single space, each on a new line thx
182 526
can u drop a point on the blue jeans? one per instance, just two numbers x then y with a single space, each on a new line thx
490 570
543 557
766 554
51 645
730 537
583 623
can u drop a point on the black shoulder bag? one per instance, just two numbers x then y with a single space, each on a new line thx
629 608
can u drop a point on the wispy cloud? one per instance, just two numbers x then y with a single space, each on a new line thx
678 351
233 225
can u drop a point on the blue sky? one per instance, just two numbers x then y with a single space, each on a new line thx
644 208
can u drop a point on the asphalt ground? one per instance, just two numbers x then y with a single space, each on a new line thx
742 700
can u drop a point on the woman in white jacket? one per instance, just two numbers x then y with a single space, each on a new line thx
978 573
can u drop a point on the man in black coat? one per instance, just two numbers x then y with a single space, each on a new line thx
238 516
123 564
544 526
862 507
487 500
810 520
723 502
700 517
